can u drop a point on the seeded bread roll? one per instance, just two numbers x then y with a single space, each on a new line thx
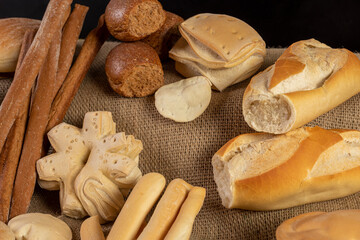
165 38
12 31
261 171
132 20
134 70
308 79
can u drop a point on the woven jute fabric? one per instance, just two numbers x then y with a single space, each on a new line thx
184 150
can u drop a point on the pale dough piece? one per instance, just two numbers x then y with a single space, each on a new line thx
39 226
185 100
5 232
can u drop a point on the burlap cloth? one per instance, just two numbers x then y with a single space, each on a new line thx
184 150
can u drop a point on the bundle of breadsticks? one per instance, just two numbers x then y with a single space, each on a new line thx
43 87
172 218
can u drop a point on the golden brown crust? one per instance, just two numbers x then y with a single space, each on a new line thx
333 92
118 14
323 75
292 182
129 59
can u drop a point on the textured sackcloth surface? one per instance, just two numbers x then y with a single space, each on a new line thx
184 150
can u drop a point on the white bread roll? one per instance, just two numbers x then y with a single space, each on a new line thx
12 32
341 224
262 171
39 226
307 80
213 43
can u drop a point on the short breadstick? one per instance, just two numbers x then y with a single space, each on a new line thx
137 206
70 35
33 144
10 155
91 229
34 59
166 210
67 92
182 227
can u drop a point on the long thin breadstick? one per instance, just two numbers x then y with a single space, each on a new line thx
9 157
34 59
67 92
70 36
137 206
91 230
166 210
33 144
182 227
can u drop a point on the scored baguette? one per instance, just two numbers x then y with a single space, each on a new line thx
262 171
282 97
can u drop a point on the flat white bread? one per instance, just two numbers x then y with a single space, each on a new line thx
336 225
184 100
220 39
183 51
182 227
5 232
221 78
260 171
12 32
307 80
139 203
39 226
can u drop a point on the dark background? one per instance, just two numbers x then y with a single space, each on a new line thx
280 23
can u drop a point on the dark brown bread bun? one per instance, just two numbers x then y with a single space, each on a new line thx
134 69
165 38
132 20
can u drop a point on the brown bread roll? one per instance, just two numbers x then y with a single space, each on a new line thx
134 70
132 20
165 38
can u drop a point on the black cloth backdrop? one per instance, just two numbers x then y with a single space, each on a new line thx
279 22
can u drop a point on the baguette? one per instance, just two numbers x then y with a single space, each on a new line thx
261 171
282 97
137 206
341 224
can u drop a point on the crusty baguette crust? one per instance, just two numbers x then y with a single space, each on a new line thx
341 85
292 182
